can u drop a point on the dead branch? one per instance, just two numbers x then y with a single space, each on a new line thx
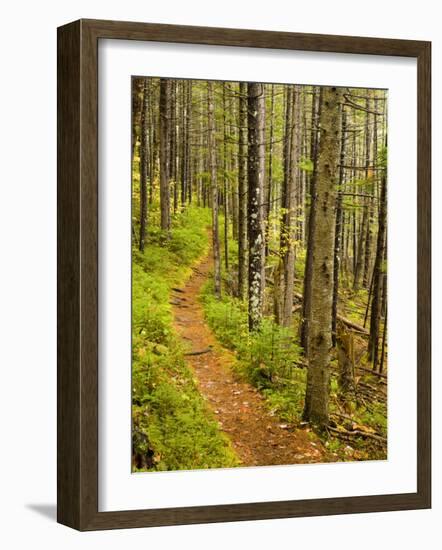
201 352
358 433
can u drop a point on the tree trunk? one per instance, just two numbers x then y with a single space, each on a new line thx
255 187
153 144
279 290
319 340
370 178
242 194
137 88
307 290
173 144
378 276
226 184
164 154
214 186
144 161
188 168
288 220
362 253
183 133
233 161
262 173
338 229
269 186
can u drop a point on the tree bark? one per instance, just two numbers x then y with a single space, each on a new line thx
262 174
288 220
214 187
164 155
362 253
187 141
233 158
226 184
319 340
269 185
137 88
255 187
370 178
183 133
144 161
242 194
377 277
173 144
338 229
307 290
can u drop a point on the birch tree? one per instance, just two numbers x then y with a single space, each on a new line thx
255 187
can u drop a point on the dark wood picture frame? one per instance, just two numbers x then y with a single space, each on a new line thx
77 227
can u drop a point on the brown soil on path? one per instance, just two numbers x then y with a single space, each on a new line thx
258 437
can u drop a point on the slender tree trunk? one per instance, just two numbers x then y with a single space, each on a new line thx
137 86
226 185
242 194
288 221
370 187
307 289
183 132
338 230
269 187
255 187
173 144
353 218
234 169
144 160
360 262
164 154
153 145
201 194
384 341
279 291
262 174
377 277
214 185
187 141
319 341
300 230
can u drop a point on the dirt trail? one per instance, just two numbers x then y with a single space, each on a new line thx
258 437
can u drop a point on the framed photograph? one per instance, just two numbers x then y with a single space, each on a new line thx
243 274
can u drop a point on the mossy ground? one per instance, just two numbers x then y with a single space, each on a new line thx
173 429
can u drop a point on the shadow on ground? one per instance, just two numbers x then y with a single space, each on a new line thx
48 511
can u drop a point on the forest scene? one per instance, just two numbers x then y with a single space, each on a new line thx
259 274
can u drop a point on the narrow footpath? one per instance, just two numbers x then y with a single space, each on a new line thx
258 437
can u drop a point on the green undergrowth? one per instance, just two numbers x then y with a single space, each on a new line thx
173 428
270 358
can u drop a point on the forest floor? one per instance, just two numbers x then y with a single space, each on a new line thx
258 437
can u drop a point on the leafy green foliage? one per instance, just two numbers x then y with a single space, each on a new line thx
172 426
383 156
306 165
268 358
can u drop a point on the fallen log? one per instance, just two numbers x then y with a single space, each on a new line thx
347 322
201 352
371 371
359 433
352 325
